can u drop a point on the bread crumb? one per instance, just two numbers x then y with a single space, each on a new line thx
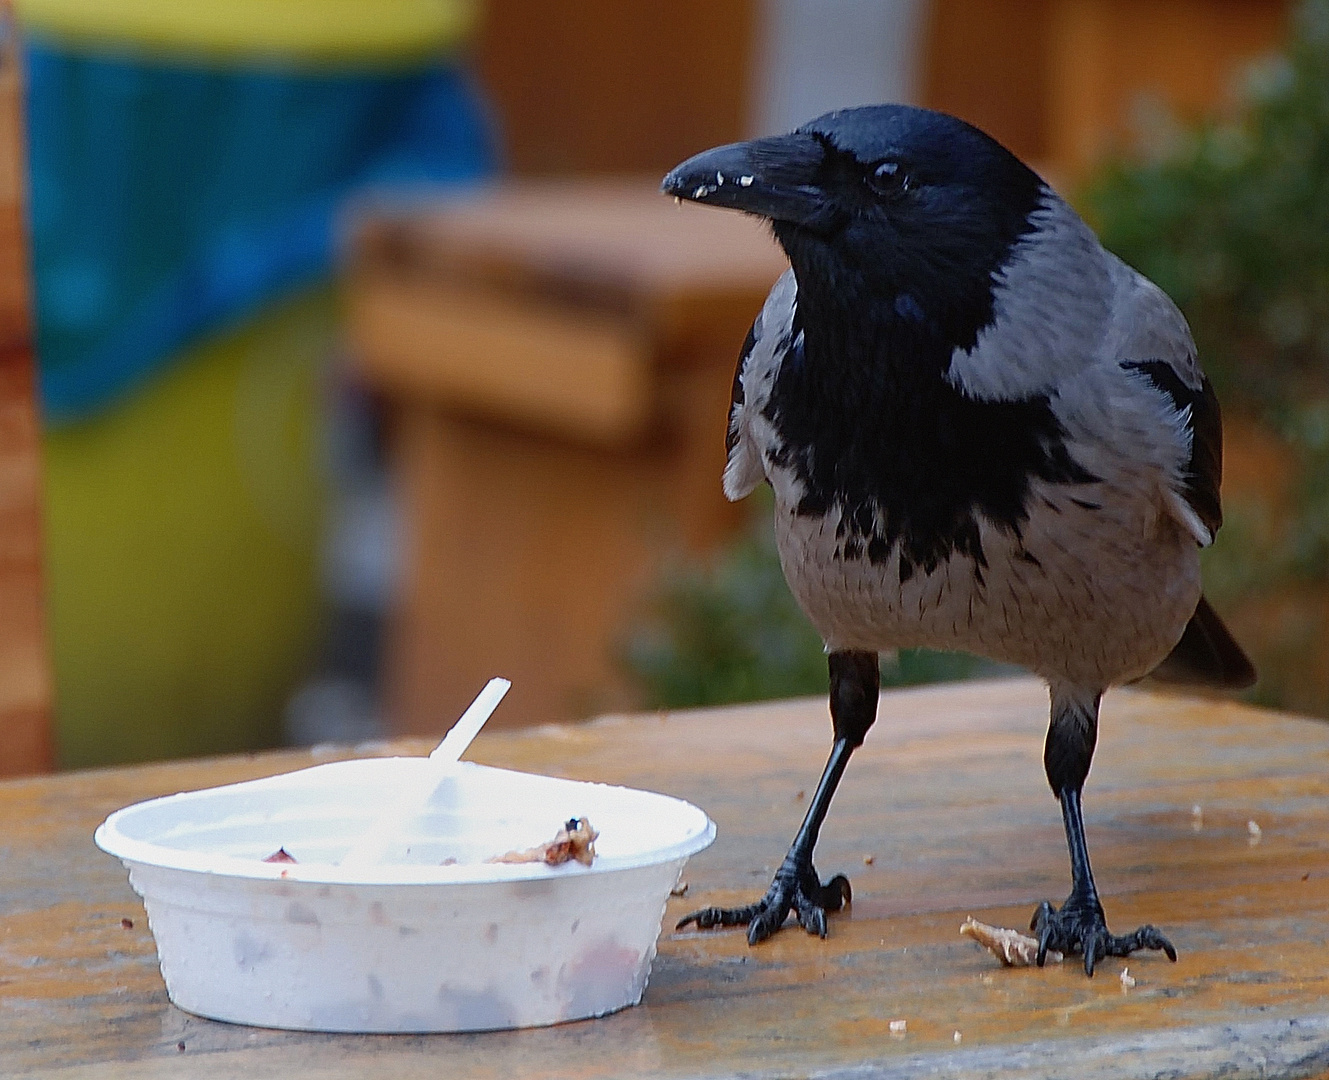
681 889
1011 947
899 1027
868 860
957 1037
1127 979
1253 828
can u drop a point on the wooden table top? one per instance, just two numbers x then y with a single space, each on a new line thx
948 800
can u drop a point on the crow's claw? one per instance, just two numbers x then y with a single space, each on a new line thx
1079 927
795 889
708 917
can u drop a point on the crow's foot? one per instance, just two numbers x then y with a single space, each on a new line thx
795 888
1079 927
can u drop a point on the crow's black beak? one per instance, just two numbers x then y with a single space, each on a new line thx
774 177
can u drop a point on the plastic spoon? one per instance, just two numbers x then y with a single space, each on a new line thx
388 826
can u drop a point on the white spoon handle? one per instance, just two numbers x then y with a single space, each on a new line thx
388 826
468 726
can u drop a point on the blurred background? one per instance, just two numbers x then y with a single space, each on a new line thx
369 364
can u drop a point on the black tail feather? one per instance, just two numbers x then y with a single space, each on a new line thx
1206 655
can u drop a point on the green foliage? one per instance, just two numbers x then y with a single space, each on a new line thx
1232 220
1233 223
731 632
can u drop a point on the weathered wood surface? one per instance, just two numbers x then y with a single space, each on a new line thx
947 797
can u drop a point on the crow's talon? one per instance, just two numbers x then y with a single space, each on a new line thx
793 891
1079 927
705 918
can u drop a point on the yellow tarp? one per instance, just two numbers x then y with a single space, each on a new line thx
182 526
311 31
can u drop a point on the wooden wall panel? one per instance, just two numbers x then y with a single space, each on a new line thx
1112 60
25 681
606 86
1064 82
609 86
985 61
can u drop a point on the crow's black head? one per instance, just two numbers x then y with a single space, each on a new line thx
903 213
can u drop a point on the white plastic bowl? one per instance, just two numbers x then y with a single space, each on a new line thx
409 945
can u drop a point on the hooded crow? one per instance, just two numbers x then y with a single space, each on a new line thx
983 432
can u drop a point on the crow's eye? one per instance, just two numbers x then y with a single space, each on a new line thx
888 178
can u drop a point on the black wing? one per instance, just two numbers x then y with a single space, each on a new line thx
1206 655
1204 421
736 394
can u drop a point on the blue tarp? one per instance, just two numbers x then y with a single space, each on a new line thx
168 200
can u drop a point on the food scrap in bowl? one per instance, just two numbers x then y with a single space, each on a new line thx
279 856
575 840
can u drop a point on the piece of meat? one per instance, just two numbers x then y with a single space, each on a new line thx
575 840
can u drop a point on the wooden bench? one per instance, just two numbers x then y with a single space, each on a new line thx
558 358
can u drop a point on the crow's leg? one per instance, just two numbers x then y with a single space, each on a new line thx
1079 925
855 686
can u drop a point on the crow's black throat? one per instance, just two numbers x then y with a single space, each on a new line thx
869 422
